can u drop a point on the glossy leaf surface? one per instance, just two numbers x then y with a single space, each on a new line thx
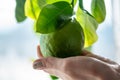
53 16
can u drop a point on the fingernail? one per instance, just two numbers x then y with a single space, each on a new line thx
38 65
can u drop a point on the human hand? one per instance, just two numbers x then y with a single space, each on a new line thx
86 67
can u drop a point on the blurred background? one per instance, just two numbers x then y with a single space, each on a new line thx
18 41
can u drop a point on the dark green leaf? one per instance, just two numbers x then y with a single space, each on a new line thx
32 8
19 11
98 10
52 16
89 25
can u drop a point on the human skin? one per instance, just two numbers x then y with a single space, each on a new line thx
86 67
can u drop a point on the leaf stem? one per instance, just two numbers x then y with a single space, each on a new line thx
72 3
81 4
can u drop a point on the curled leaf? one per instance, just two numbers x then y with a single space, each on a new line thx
89 25
32 9
98 10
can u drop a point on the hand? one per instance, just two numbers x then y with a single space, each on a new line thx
86 67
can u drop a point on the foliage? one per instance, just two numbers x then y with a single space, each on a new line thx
49 15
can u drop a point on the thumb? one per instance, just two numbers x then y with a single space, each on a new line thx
46 63
51 65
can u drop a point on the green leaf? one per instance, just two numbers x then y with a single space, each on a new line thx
19 11
52 16
41 3
54 1
32 8
44 2
98 10
89 25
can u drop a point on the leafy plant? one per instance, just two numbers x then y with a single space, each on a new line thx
45 12
53 17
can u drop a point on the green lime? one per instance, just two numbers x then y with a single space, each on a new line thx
65 42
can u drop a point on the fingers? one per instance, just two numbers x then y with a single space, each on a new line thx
39 53
89 54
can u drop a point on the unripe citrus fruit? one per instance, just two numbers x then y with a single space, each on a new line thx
65 42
